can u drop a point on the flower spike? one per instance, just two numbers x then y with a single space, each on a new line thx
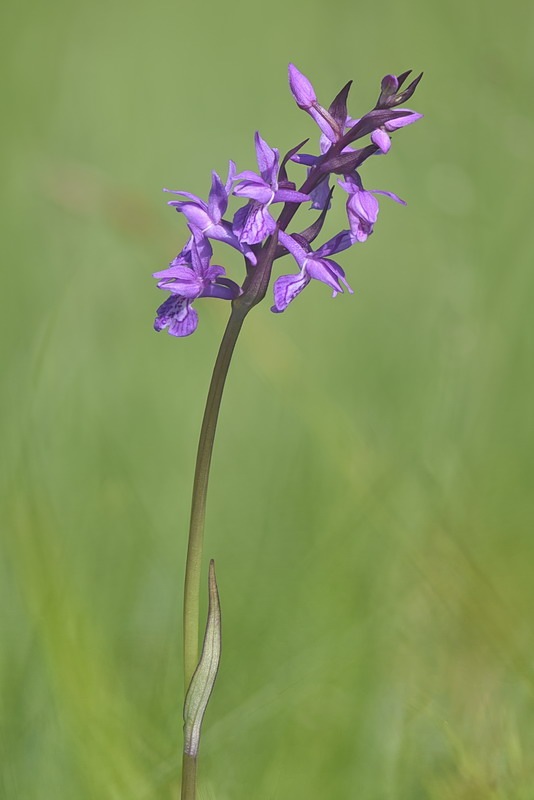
256 231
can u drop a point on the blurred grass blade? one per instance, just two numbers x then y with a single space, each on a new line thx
203 680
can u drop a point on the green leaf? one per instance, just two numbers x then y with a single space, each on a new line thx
203 680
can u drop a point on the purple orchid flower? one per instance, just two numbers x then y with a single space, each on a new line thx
362 206
207 218
314 265
253 222
192 277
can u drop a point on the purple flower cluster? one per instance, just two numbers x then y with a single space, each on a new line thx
262 237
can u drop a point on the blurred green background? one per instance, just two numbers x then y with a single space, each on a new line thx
371 502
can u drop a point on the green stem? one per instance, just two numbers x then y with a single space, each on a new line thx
200 488
196 526
189 777
254 290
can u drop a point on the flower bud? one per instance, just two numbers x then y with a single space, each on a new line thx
301 88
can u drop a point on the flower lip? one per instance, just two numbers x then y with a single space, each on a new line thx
177 315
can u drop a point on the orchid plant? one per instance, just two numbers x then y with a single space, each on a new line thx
262 237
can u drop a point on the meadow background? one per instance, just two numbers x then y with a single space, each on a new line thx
371 507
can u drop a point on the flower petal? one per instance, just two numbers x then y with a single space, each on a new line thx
362 211
401 122
286 288
194 214
381 139
320 196
249 175
224 289
223 233
214 272
326 271
290 196
197 200
232 169
352 183
184 256
180 280
326 127
391 195
261 192
254 223
201 252
297 251
365 205
267 160
176 314
218 199
341 241
305 158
